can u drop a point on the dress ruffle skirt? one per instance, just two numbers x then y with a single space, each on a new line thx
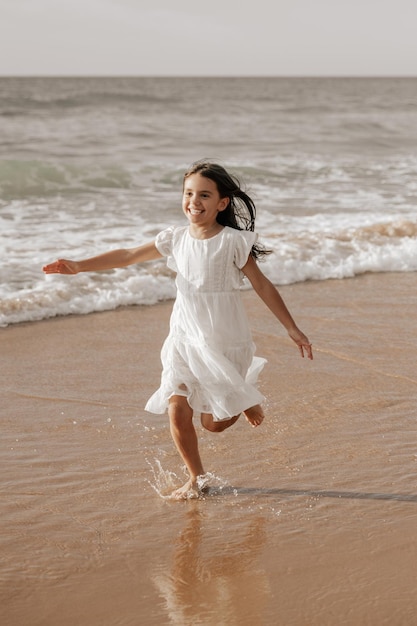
208 378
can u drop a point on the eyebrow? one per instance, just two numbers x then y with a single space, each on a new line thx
200 191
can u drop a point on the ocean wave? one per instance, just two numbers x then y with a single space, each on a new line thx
305 254
82 294
30 104
22 179
313 176
388 246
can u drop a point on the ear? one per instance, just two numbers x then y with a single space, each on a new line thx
223 204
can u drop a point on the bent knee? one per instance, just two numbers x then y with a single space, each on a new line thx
214 427
217 426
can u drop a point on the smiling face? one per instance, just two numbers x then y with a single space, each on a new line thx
201 202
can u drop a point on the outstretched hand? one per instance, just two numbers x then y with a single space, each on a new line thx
302 342
62 266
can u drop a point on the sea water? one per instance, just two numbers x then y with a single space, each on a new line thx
91 164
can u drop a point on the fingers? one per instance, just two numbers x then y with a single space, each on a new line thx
309 350
54 268
61 266
306 347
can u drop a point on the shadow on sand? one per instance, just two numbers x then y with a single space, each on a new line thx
319 493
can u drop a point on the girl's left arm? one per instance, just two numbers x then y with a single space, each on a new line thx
272 298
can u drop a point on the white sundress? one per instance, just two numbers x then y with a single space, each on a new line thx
208 356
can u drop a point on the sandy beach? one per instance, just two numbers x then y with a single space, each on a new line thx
310 520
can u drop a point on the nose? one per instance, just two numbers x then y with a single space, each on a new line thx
194 201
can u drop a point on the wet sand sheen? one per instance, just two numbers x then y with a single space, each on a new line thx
310 519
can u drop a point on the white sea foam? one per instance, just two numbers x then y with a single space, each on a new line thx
317 248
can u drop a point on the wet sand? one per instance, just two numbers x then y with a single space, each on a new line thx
311 518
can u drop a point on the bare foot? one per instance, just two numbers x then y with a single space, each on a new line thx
254 415
186 492
191 490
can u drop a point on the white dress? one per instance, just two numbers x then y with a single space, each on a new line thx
208 356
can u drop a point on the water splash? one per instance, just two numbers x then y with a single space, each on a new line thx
165 482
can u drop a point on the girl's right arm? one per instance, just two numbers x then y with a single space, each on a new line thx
106 261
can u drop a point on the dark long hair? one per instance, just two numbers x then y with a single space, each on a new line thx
240 213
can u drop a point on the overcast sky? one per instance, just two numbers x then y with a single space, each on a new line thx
208 37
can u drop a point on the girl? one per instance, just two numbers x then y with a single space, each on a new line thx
208 358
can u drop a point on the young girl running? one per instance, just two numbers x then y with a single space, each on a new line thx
208 358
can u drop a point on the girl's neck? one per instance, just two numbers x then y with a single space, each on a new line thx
204 232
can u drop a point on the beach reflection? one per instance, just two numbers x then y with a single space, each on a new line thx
215 577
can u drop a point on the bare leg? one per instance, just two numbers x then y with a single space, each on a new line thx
208 422
254 415
185 439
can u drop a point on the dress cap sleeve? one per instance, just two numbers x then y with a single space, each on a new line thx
163 241
244 241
